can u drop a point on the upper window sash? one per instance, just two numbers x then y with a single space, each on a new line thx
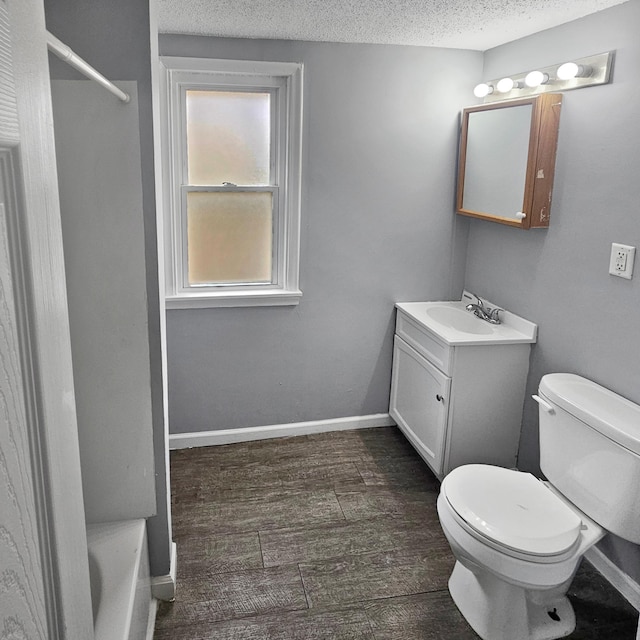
276 87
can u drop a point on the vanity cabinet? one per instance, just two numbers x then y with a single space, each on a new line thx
457 403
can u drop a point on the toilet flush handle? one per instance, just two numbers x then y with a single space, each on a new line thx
544 404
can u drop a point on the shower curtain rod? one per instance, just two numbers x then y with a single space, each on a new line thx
65 53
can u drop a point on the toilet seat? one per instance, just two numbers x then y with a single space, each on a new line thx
512 510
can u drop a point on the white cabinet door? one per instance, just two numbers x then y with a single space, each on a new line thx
419 403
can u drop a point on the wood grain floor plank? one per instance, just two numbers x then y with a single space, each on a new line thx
411 504
377 575
344 623
600 607
222 596
289 474
306 544
401 471
625 630
202 554
255 510
293 474
334 447
423 616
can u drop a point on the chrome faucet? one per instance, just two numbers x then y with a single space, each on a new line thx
483 312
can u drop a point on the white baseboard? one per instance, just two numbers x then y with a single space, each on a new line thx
622 582
228 436
164 587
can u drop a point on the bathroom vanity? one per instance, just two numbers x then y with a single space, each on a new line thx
458 383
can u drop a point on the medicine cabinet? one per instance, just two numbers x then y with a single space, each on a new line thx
507 160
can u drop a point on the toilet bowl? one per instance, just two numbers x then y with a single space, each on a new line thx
518 540
524 563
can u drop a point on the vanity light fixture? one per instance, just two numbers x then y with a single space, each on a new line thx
482 90
575 74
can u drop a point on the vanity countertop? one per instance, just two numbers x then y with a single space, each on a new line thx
454 325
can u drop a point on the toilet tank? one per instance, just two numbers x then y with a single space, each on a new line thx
590 450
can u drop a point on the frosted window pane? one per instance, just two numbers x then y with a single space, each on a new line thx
228 137
229 237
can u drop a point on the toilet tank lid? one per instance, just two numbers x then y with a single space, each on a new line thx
612 415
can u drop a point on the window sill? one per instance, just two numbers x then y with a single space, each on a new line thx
269 298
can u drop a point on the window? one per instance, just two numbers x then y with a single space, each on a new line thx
231 174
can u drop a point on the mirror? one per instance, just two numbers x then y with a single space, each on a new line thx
507 160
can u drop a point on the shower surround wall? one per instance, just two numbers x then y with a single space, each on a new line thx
98 158
558 278
379 158
115 37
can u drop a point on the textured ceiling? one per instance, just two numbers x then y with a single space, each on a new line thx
465 24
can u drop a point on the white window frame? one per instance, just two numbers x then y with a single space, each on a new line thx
285 80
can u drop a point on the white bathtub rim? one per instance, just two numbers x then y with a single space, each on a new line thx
113 544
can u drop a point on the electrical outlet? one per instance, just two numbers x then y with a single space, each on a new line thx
621 262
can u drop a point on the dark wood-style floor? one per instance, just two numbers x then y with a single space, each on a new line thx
326 537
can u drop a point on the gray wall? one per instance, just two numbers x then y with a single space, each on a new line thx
589 321
114 37
98 160
380 138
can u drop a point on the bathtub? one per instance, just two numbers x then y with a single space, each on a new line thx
119 577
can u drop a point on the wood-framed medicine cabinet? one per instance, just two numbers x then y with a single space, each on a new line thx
507 160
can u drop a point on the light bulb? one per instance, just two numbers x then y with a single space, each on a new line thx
567 71
570 70
482 90
536 78
505 85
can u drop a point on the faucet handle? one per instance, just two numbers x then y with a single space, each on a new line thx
493 313
478 298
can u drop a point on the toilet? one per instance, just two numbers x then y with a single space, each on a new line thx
518 540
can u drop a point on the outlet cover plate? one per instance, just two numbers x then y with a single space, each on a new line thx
622 259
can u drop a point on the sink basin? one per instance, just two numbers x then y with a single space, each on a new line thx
459 319
448 321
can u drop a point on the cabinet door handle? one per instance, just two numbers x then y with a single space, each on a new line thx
439 398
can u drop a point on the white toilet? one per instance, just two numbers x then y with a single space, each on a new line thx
517 540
